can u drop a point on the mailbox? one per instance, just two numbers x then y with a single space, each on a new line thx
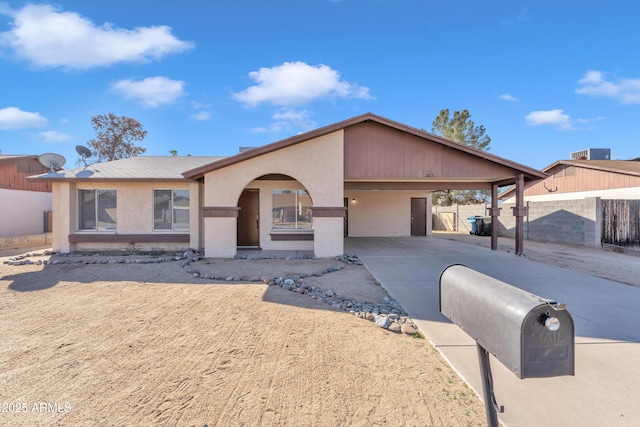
532 336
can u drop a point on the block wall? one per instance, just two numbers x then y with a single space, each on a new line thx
573 222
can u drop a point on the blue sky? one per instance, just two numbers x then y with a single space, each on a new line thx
207 77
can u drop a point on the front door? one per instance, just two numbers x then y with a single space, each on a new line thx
418 216
249 218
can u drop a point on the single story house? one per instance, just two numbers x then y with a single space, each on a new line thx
365 176
23 202
580 179
578 203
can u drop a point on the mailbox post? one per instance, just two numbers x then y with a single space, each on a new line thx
532 336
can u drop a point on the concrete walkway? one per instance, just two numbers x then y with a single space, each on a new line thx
605 390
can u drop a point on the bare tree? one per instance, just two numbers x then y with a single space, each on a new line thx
115 137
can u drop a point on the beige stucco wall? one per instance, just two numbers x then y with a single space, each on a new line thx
134 214
383 213
63 198
317 165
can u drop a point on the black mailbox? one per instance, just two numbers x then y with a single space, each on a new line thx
530 335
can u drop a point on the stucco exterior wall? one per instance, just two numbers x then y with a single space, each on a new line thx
22 212
64 197
134 214
383 213
317 165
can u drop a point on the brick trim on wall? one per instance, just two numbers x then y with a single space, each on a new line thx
220 211
328 212
129 238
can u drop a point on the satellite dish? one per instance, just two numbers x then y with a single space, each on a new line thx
52 161
84 153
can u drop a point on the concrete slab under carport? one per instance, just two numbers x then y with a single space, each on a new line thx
607 324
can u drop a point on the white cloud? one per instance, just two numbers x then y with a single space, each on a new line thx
199 105
12 118
507 97
201 116
151 92
555 118
287 121
590 120
595 83
48 37
297 83
53 136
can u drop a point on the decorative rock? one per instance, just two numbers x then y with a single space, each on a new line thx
395 327
408 329
387 314
383 322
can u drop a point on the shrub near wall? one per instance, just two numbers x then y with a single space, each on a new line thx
573 222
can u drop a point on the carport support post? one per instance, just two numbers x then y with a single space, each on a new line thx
494 213
519 211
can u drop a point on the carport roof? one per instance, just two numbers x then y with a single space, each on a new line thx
530 174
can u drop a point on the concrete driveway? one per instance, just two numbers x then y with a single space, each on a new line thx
604 390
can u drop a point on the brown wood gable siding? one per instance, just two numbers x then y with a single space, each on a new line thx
569 179
375 151
14 173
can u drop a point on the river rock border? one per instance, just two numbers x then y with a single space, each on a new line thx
387 314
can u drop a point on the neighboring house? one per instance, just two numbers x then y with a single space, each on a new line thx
566 207
579 179
366 176
22 202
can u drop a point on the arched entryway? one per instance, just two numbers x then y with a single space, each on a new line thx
275 211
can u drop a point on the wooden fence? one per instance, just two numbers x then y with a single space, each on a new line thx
621 223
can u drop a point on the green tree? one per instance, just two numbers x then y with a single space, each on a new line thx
461 129
115 137
174 153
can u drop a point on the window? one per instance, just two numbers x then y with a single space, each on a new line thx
97 210
170 209
291 210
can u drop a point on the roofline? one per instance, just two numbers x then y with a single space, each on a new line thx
42 178
582 165
9 157
368 117
595 166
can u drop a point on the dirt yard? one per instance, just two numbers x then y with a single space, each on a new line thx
148 344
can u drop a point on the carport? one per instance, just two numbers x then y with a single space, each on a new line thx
383 155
